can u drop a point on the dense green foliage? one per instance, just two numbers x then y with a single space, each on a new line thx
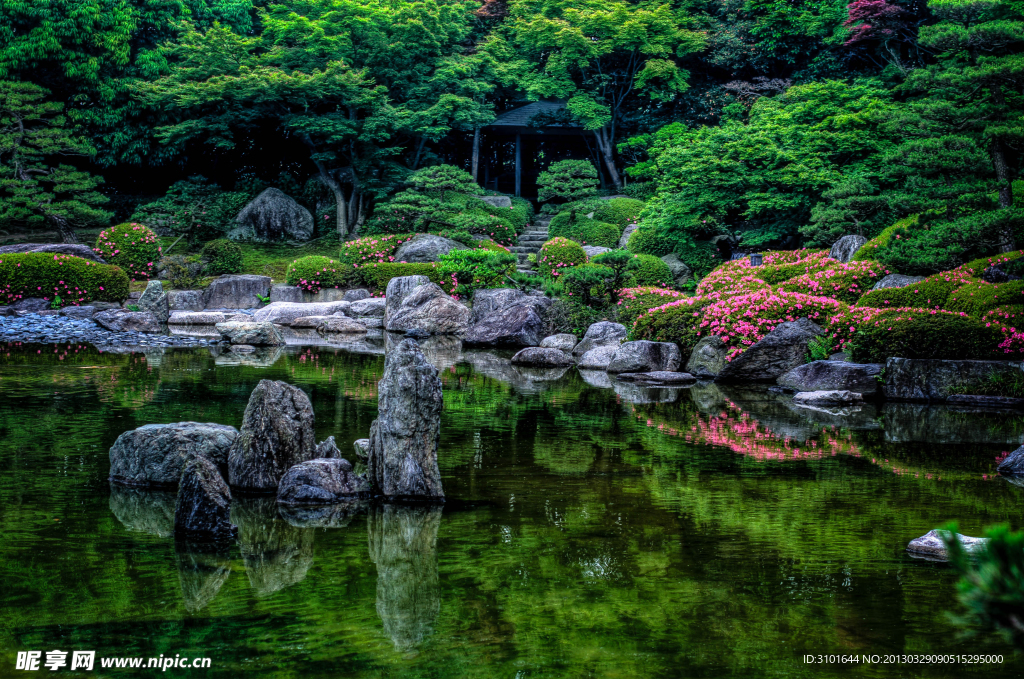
376 276
920 333
133 247
222 257
195 208
568 180
464 271
557 254
62 279
315 272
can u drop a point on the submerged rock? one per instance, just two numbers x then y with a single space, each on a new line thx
932 545
404 437
658 378
155 454
321 481
276 434
645 356
708 357
778 352
203 508
542 358
336 515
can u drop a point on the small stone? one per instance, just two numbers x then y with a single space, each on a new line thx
562 341
645 356
658 378
321 481
597 358
542 358
327 448
932 545
339 325
827 398
602 334
355 295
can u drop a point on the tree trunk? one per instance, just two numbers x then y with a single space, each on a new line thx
476 153
419 150
67 234
604 145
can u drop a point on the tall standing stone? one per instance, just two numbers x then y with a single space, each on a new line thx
273 216
398 289
203 507
155 301
277 433
404 437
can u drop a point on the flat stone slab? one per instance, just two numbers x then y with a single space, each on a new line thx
309 321
660 377
834 397
196 318
985 401
931 545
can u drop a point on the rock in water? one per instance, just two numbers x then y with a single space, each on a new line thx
542 358
321 481
645 356
327 448
203 509
404 438
827 398
932 380
255 334
602 334
398 288
829 375
844 248
277 433
708 357
403 545
597 358
273 216
155 454
1013 464
427 308
562 341
780 351
932 545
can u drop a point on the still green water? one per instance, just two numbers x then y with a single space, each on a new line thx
588 533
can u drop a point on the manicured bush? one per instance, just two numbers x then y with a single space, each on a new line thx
133 247
464 271
568 180
593 232
931 293
923 333
675 321
373 248
492 246
648 241
484 224
588 284
649 270
1007 315
877 245
316 272
75 281
376 276
222 257
977 297
183 272
845 282
619 211
460 236
635 301
561 225
559 253
518 216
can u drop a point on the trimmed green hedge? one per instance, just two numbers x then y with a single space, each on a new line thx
316 272
635 301
75 281
561 225
619 211
593 232
222 256
931 293
133 247
922 333
376 276
464 271
976 298
677 322
649 270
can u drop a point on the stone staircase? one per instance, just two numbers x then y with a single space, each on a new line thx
530 242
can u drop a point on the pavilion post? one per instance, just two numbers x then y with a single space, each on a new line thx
519 163
476 153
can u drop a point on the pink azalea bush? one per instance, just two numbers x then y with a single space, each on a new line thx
61 279
846 282
131 246
371 249
558 254
316 272
635 301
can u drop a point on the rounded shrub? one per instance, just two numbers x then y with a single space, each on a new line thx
635 301
877 246
369 249
484 224
60 279
222 257
845 282
619 211
588 284
731 278
316 272
183 272
931 293
558 254
778 267
133 247
923 333
491 245
593 232
561 225
377 275
463 271
648 241
649 270
977 297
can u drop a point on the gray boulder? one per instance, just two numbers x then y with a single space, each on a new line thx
78 311
896 280
780 351
311 321
286 293
339 325
708 357
428 309
277 433
835 397
397 290
196 318
203 508
594 250
602 334
658 378
273 216
626 233
844 248
154 300
256 334
562 341
861 378
497 201
327 448
425 247
681 273
236 291
916 379
185 300
122 320
597 358
1013 464
355 295
645 356
542 358
489 300
155 454
321 481
932 545
75 250
361 448
994 274
370 307
506 318
283 313
404 438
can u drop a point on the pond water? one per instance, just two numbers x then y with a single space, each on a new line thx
590 531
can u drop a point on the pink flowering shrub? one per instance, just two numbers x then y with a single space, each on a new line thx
635 301
782 265
558 254
842 326
316 272
70 281
676 321
977 297
370 249
133 247
845 282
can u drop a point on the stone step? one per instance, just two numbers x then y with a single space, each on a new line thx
533 239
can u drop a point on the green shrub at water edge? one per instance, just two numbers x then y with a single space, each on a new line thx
222 257
676 321
559 253
75 280
464 271
923 333
316 272
376 276
133 247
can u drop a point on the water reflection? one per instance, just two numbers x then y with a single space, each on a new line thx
260 357
441 351
146 511
403 544
276 554
203 569
636 393
337 515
